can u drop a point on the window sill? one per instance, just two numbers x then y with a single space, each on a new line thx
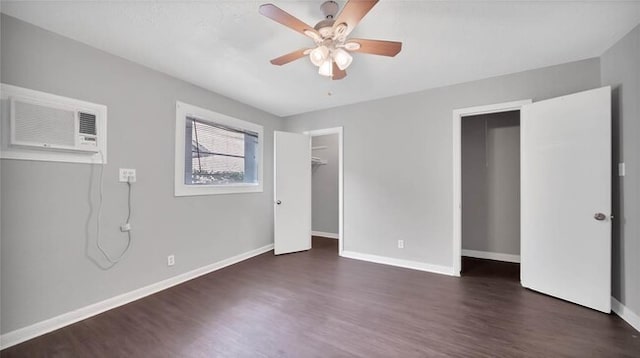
196 190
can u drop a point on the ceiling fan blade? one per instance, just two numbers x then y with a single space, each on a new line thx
283 60
338 74
278 15
376 47
353 12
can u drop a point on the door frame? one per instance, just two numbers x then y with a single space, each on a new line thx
339 132
457 167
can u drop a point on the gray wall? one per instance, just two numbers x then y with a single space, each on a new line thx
621 69
45 270
491 183
324 208
398 171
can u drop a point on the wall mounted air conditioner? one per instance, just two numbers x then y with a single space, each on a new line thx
43 125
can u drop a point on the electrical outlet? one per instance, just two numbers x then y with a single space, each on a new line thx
401 244
127 175
125 227
171 260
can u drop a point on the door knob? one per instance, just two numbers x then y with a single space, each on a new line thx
599 216
278 202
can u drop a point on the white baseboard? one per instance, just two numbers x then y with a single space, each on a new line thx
23 334
328 235
414 265
626 314
491 256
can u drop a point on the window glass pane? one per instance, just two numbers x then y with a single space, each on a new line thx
219 155
251 162
217 169
217 140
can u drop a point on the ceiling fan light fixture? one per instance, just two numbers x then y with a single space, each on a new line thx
343 58
326 68
319 55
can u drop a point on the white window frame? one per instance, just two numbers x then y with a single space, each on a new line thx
184 110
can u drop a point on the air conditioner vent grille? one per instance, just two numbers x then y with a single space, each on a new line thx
40 124
87 123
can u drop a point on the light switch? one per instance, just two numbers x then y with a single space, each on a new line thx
621 169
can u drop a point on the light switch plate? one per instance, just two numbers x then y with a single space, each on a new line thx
621 169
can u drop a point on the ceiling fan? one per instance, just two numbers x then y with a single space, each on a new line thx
331 53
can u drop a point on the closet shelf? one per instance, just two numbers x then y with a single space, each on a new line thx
318 161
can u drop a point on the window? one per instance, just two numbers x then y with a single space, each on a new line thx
216 154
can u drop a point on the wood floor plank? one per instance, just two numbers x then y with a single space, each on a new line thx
316 304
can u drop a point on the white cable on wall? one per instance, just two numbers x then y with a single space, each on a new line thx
108 257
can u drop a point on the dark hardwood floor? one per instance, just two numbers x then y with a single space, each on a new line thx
315 304
472 267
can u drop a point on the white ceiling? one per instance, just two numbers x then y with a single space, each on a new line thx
225 46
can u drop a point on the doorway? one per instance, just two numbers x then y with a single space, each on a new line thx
327 188
490 154
458 116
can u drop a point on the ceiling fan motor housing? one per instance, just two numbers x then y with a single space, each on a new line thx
325 27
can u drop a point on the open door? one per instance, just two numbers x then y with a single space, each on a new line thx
292 192
566 198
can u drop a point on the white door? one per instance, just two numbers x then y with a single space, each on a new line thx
566 198
292 193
